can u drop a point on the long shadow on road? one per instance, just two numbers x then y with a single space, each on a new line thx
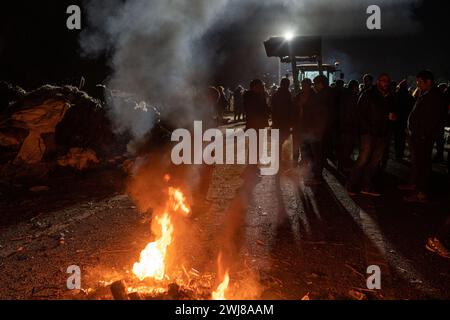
399 230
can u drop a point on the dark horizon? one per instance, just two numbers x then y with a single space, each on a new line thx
36 48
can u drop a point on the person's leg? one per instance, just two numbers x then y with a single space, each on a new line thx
358 168
440 145
318 153
448 162
443 235
421 156
306 159
346 147
374 162
306 153
386 154
295 144
400 142
284 136
424 167
341 152
415 154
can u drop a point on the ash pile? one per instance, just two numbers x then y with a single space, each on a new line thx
52 129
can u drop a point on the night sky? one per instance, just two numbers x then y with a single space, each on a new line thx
37 48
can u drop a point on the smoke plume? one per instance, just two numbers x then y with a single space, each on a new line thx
163 50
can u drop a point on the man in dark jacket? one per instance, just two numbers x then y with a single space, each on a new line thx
447 122
223 103
301 100
335 130
375 108
404 103
424 125
348 124
440 141
238 104
256 109
255 106
315 127
367 83
282 110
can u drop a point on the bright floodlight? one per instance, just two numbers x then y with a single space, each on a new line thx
289 35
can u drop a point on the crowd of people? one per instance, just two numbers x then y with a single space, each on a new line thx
333 121
353 126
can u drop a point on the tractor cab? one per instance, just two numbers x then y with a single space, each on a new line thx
304 53
310 71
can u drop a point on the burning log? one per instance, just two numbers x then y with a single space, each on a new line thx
174 291
119 290
135 296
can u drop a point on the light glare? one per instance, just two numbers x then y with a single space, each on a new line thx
289 35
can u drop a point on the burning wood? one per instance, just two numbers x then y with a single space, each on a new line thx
119 290
150 279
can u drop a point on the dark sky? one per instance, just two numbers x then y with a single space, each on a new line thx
37 48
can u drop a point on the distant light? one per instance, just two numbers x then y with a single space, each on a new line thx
289 36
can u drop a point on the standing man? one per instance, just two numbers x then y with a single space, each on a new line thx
440 141
316 126
223 103
424 125
367 83
300 102
256 109
375 108
282 110
348 124
238 103
447 122
404 102
255 106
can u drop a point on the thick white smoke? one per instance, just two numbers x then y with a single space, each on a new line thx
153 51
156 50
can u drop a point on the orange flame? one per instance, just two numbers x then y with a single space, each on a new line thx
178 201
152 262
219 294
